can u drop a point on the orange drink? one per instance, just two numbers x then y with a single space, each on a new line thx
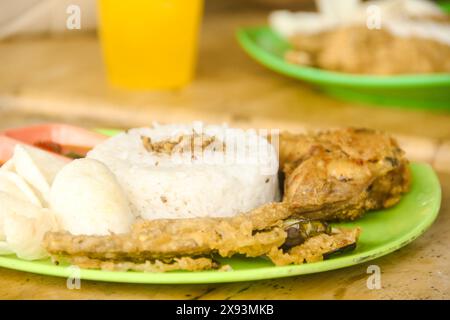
150 44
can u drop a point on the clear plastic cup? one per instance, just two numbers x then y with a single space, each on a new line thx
150 44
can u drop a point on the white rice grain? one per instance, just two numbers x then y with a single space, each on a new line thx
160 185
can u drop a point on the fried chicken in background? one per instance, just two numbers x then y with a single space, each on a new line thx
379 37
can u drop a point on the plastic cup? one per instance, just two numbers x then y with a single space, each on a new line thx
149 44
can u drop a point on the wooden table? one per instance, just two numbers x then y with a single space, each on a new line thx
48 79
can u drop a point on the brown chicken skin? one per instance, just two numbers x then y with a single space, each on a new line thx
339 175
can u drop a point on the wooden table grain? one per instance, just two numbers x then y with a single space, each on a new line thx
61 79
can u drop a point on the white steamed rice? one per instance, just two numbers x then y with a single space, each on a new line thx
160 186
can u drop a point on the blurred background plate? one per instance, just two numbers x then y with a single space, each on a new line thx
419 91
382 232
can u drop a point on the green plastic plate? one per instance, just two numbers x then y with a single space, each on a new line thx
382 232
421 91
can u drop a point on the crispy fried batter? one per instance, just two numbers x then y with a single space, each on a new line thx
183 263
167 241
159 239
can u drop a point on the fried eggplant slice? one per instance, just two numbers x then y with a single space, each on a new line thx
299 230
250 234
254 234
316 248
339 175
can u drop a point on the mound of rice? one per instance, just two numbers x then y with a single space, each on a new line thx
187 171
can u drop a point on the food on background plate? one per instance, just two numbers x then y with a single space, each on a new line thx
115 209
369 38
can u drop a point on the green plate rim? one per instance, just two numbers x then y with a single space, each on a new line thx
319 76
261 273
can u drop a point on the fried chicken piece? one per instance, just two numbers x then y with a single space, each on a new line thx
359 50
339 175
